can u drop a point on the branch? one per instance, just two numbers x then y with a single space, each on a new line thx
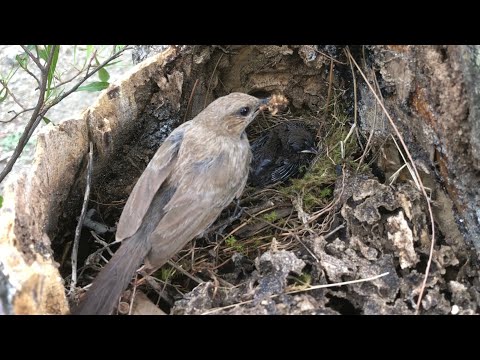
41 110
78 229
31 74
35 59
16 115
87 75
79 72
34 119
69 80
4 84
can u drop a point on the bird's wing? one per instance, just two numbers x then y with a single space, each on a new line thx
284 171
259 142
148 184
179 225
196 204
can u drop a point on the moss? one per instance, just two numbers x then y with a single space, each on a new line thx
234 244
271 216
165 274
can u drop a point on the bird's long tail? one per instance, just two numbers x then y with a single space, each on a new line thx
114 278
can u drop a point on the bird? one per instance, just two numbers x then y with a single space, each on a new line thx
200 168
280 153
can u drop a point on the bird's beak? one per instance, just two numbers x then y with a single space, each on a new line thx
265 101
262 104
312 150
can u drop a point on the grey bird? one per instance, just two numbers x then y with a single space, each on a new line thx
197 172
281 153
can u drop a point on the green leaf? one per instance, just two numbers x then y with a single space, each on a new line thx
3 97
51 71
90 50
1 201
94 86
43 53
75 55
46 120
12 72
22 60
103 75
113 63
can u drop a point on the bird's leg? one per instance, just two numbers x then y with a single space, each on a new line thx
238 212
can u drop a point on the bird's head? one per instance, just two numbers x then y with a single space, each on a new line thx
232 113
302 141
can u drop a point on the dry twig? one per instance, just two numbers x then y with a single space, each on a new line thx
315 287
78 229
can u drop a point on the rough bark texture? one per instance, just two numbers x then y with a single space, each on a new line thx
433 94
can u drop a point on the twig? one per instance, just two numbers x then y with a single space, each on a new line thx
329 94
422 188
409 167
78 229
355 103
91 60
326 55
32 75
4 84
78 73
34 119
316 287
210 81
28 71
184 272
16 115
334 231
35 59
40 111
312 254
133 294
88 75
370 137
190 100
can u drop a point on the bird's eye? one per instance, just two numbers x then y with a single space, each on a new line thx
244 111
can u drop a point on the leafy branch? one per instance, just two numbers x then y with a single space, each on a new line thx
46 61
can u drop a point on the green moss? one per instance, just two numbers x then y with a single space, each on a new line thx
304 280
271 216
234 244
166 273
